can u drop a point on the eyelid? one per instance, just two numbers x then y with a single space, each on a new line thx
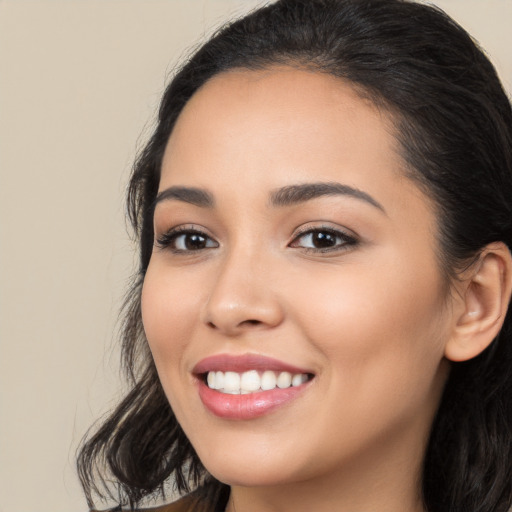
346 238
349 238
165 239
312 226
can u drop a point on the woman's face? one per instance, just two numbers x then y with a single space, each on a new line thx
290 246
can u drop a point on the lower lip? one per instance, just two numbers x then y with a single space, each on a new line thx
249 406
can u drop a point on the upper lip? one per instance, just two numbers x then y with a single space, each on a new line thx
243 363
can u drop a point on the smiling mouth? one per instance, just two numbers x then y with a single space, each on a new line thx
248 386
253 381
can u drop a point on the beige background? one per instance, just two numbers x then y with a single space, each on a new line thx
79 83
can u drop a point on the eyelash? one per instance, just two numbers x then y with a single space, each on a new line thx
168 240
345 241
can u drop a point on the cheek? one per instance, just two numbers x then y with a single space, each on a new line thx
169 315
382 346
386 322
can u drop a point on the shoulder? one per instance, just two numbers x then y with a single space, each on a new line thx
186 504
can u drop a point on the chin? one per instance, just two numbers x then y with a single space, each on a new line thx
250 474
258 466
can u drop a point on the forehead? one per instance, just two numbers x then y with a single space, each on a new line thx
272 108
260 130
278 104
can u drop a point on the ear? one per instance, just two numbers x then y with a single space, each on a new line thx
485 295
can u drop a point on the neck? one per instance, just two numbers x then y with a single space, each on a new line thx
387 482
304 498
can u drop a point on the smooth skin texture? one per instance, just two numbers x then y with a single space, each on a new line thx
345 285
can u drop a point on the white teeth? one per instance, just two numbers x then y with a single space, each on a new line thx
268 380
299 379
232 383
284 380
252 381
219 380
211 380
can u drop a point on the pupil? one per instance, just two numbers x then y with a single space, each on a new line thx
321 240
195 242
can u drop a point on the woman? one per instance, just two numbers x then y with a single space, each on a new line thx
321 320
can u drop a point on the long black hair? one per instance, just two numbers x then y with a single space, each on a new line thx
453 122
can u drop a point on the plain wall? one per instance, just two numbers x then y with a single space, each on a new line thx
79 83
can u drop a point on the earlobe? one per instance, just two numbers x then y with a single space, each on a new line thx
486 296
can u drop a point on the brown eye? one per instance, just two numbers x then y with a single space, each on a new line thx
186 241
323 240
191 242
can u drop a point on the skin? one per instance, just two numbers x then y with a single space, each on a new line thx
370 319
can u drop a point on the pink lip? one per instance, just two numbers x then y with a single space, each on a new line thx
247 407
243 363
252 405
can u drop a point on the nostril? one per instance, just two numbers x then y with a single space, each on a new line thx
246 323
251 322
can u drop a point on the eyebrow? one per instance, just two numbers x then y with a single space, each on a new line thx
196 196
295 194
282 197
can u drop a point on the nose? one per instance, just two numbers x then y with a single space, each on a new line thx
243 298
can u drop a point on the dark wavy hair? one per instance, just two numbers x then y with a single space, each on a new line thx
453 123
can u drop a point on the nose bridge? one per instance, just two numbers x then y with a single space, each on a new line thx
242 296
